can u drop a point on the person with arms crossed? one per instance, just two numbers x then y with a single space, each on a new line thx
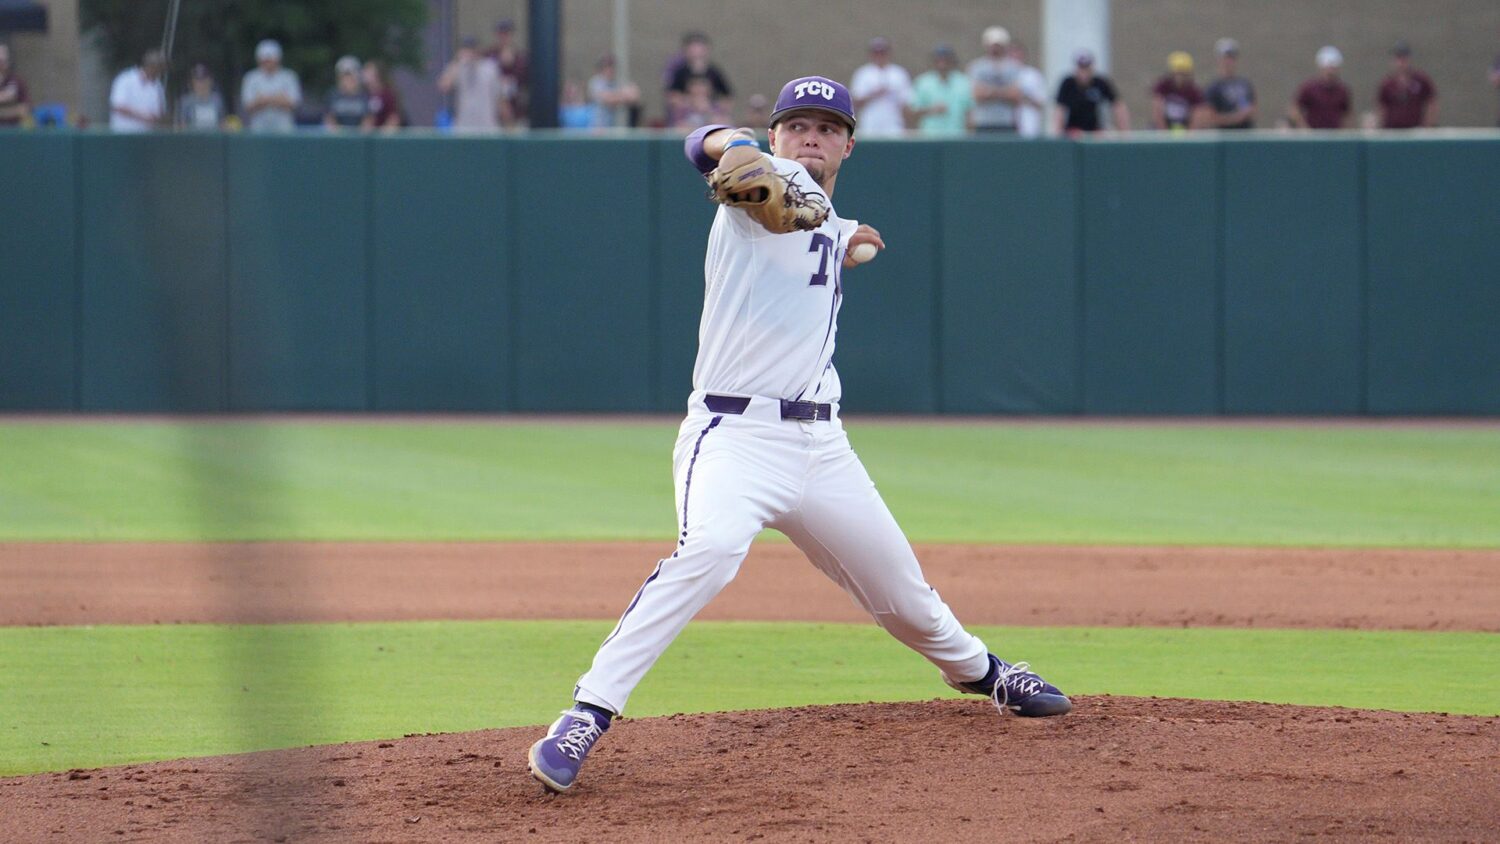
15 103
270 93
763 444
1032 86
994 77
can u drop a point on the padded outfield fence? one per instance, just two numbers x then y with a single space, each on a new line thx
203 273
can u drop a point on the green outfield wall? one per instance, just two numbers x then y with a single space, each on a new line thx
539 274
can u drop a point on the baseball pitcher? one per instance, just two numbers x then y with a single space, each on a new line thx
763 444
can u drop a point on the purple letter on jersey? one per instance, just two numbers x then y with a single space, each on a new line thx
824 243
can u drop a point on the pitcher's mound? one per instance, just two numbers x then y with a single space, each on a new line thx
943 770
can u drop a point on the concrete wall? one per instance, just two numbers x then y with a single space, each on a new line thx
1454 40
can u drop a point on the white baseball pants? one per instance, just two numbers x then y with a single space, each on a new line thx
738 474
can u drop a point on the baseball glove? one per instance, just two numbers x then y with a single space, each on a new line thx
770 198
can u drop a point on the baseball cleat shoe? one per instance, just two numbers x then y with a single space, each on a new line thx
555 760
1015 688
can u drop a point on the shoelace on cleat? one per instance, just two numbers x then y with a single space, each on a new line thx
1026 684
579 738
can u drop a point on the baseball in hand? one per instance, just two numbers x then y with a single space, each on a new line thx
862 253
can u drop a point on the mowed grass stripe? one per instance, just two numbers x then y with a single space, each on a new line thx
587 480
91 696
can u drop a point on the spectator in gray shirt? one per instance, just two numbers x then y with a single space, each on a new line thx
994 76
270 92
202 107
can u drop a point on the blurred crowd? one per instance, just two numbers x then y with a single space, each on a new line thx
485 88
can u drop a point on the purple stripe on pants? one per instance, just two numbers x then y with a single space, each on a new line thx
687 486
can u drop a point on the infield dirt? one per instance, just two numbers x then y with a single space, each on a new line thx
1115 769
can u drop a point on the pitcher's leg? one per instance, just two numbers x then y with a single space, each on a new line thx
723 502
846 530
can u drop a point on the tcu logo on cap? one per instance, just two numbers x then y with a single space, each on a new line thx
812 87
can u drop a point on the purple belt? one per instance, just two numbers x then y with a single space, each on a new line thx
801 411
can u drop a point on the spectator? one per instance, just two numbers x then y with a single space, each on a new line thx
573 112
348 103
757 111
993 77
270 92
1323 102
137 102
481 96
15 104
1231 96
1176 99
696 62
1080 97
699 108
1032 86
880 90
1408 98
515 67
941 97
202 107
615 101
385 104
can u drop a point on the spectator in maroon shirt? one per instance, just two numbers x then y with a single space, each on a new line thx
514 66
1408 98
1323 101
385 104
1175 99
15 104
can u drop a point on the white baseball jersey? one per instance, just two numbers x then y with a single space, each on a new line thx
771 304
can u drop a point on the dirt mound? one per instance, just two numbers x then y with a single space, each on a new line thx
1117 768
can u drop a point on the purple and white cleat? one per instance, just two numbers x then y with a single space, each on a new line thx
555 760
1015 688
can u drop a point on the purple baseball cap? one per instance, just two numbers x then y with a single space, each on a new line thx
817 92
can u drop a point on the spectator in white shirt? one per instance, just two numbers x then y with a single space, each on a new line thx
880 91
137 102
1032 86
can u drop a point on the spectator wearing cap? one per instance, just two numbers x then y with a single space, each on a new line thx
1231 97
1175 99
1407 99
880 90
941 97
515 67
269 93
15 103
1081 98
202 107
696 61
616 101
137 102
348 102
481 96
993 77
1323 102
1032 85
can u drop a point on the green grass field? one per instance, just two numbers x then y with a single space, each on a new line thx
78 697
982 482
74 697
